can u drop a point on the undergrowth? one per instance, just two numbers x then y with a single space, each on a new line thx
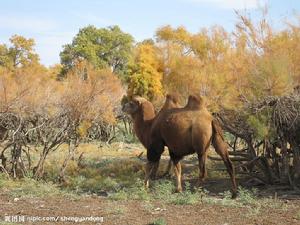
28 187
122 179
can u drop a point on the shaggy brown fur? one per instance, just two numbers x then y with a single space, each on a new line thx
171 102
185 131
142 113
190 130
195 103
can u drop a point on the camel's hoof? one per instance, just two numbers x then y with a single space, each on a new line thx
178 190
146 184
234 195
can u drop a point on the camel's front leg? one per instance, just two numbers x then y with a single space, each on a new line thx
153 174
177 170
150 167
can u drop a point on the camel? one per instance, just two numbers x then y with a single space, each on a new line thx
143 113
184 131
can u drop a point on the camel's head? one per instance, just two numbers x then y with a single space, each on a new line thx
131 107
139 105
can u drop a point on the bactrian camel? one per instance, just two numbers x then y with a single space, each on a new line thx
184 131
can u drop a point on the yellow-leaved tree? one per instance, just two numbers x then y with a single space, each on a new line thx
145 75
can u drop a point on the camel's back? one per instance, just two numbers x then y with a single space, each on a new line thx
180 128
170 103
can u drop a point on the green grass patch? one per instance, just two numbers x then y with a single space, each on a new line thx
28 187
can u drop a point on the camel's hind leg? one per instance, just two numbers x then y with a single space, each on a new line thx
230 170
221 148
177 170
202 167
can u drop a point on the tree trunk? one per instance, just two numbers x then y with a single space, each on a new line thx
71 153
38 170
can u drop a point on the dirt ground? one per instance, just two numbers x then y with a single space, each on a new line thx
141 212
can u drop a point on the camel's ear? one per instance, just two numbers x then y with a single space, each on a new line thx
137 100
139 103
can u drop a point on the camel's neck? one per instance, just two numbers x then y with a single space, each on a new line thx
142 127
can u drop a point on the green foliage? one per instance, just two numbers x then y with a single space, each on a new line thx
261 124
102 47
247 197
272 76
136 191
187 197
163 189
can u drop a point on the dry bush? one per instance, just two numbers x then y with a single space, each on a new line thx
37 111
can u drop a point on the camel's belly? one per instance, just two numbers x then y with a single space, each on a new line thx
183 137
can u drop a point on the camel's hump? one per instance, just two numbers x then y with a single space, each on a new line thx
195 102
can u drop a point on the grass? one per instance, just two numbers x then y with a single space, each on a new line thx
297 217
28 187
159 221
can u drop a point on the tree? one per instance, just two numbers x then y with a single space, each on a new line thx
145 75
102 47
20 58
5 60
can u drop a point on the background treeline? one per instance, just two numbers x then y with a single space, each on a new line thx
250 78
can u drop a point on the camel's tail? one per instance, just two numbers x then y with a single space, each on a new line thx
221 148
218 140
